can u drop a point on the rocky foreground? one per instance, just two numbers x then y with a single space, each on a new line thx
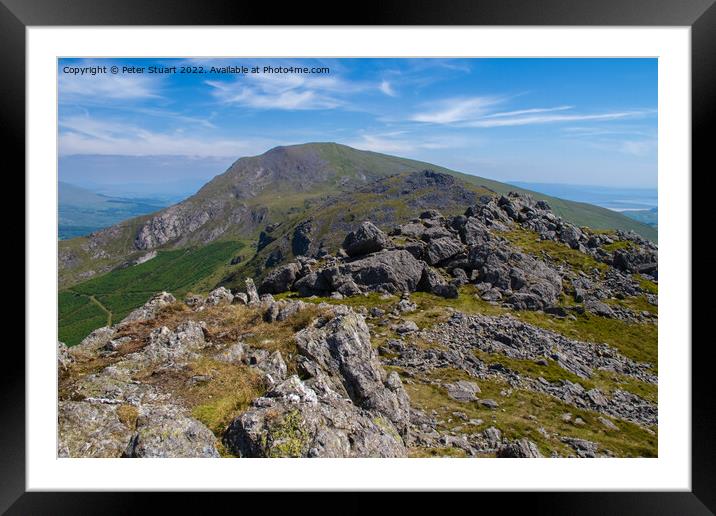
445 337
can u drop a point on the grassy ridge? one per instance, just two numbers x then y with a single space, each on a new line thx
578 213
121 291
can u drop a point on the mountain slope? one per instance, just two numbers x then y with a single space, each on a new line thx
281 184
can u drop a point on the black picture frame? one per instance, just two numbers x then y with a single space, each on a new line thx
700 15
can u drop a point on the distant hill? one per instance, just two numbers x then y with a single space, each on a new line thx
82 211
282 185
649 217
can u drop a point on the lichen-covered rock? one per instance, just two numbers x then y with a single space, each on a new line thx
166 345
165 431
292 421
432 281
234 354
251 292
463 390
341 349
218 296
150 308
274 368
92 430
389 270
92 343
441 249
64 359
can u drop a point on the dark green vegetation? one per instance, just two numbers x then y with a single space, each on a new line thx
109 298
82 211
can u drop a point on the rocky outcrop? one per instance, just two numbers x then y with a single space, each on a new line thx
302 239
218 296
390 271
346 406
164 431
280 279
293 421
365 240
520 448
91 430
150 308
339 353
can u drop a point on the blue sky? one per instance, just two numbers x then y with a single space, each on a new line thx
576 121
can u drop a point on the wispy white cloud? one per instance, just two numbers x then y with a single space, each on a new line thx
454 110
387 88
85 135
531 111
289 92
552 118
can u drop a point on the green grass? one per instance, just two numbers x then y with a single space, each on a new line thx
647 285
638 341
521 413
529 242
619 244
123 290
635 304
605 381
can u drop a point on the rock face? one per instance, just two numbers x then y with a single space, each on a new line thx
521 448
280 279
341 348
364 240
163 431
346 407
91 430
292 421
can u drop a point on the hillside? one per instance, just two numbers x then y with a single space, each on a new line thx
287 202
267 189
499 331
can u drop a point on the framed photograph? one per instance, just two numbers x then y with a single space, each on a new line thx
437 249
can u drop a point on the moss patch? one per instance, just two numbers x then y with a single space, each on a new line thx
287 437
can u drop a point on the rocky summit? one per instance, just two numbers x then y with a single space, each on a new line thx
502 331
